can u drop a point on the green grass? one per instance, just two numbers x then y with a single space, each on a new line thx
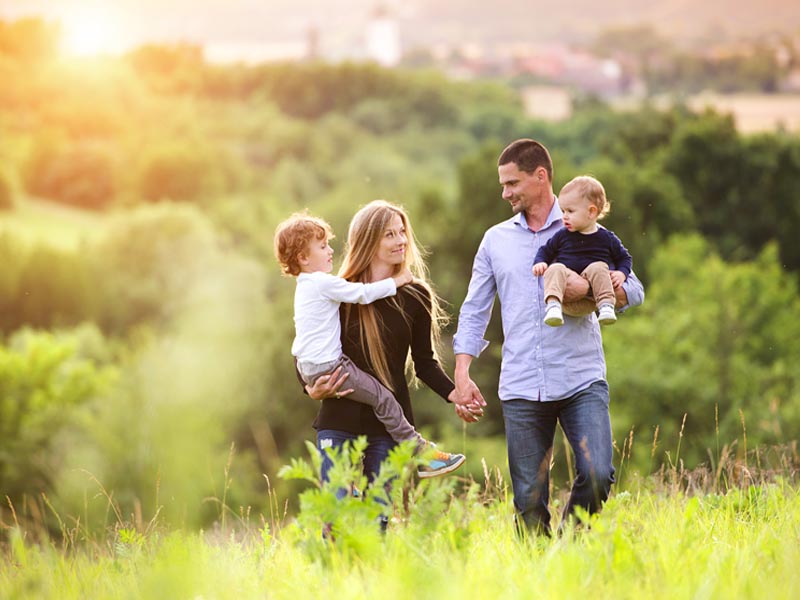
651 541
51 223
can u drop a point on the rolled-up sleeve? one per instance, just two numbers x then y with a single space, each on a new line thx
634 290
476 310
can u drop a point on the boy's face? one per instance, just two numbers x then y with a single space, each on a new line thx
317 257
579 214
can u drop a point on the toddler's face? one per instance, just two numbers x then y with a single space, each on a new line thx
318 257
579 214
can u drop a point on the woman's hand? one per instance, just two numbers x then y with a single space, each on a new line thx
468 414
328 386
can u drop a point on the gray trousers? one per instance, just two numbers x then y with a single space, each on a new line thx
366 390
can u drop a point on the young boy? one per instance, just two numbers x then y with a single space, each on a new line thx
303 250
583 247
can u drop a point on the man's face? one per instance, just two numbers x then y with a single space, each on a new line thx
520 189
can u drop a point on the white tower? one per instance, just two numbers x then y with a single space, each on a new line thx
383 38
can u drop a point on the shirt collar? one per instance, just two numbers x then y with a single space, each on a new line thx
555 216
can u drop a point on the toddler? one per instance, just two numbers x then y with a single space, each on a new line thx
583 247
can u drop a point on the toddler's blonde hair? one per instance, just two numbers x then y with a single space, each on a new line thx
591 190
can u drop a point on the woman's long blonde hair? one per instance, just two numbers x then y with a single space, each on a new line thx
366 232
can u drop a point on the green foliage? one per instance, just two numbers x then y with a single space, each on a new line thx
169 68
181 172
344 510
145 262
80 175
723 175
757 70
42 287
644 543
711 340
45 379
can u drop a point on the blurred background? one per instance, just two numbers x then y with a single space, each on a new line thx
148 149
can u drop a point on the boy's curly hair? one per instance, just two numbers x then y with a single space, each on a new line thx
293 236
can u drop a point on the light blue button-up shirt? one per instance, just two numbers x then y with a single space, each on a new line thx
539 361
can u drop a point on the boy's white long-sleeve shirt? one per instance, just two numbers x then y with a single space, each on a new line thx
316 312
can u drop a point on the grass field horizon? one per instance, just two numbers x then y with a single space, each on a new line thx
40 221
718 531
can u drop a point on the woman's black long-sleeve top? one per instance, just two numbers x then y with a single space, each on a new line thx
399 334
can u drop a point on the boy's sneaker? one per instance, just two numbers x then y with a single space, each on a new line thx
553 316
607 315
438 463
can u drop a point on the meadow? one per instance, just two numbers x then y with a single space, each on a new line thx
660 537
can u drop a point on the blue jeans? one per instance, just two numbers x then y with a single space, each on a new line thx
530 430
377 450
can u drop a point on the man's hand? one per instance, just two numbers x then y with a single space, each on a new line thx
470 413
467 397
539 269
327 386
617 278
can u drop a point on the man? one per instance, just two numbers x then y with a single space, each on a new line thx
537 389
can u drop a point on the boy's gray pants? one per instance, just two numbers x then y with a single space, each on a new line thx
367 390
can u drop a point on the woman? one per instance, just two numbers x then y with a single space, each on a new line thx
378 336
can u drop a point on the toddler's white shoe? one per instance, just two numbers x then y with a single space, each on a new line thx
553 316
606 315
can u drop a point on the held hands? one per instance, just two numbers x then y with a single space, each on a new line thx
539 269
403 277
327 386
617 278
467 399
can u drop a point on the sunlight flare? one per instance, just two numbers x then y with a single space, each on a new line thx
90 31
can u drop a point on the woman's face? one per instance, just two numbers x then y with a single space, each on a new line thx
392 247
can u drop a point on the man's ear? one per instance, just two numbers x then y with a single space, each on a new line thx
541 174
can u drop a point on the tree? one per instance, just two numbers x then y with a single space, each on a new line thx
711 336
29 40
82 175
706 157
44 381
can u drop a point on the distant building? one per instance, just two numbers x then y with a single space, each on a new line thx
561 65
383 38
547 102
312 43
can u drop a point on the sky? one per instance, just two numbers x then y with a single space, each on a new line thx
118 25
124 24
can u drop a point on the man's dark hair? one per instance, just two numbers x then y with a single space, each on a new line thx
528 155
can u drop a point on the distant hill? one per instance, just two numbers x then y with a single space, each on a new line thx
341 23
534 20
